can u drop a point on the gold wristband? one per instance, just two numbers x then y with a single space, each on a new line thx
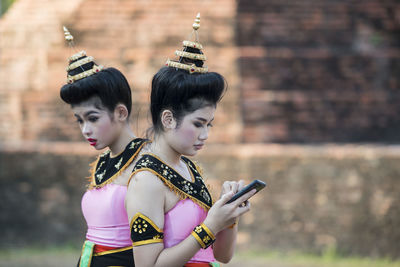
203 235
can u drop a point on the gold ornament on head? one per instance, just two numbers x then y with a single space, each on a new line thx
67 35
196 24
76 69
185 56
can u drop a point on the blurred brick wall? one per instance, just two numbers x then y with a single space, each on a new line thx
319 71
317 198
303 71
40 198
136 37
29 81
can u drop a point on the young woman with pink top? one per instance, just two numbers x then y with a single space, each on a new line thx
173 219
101 102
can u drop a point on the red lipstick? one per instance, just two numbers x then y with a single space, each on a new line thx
198 147
92 142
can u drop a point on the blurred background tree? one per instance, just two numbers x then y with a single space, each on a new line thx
4 5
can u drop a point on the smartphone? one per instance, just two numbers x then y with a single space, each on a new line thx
256 184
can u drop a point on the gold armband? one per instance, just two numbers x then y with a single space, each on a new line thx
203 235
145 231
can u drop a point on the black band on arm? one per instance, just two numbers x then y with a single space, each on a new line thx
203 235
145 231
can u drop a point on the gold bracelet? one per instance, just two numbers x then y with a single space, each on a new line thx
203 235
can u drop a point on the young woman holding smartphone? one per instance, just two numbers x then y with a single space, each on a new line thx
173 219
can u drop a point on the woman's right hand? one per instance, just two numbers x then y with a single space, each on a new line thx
222 215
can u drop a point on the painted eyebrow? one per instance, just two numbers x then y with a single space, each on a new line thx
90 112
203 120
87 113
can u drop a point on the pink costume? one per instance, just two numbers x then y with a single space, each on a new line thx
179 223
106 217
103 206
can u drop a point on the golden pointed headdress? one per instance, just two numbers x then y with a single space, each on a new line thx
80 65
191 58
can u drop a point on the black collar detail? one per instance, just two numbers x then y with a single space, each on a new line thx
107 168
196 190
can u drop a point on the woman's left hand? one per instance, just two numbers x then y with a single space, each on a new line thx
228 186
234 186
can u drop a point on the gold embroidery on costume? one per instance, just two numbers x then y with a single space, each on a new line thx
101 164
105 169
100 176
145 231
196 190
118 164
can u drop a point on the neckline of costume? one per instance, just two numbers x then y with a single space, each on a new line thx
189 167
196 191
107 168
126 147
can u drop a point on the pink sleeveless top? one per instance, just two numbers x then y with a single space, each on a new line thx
180 221
106 217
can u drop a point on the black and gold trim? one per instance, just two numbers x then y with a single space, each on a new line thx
196 190
106 168
145 231
80 65
112 251
203 235
191 58
114 257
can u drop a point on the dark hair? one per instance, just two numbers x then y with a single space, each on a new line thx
110 85
183 93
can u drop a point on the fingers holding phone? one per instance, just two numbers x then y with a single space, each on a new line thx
242 203
240 199
231 205
256 184
233 186
240 185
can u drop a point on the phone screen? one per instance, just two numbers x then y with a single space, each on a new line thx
256 184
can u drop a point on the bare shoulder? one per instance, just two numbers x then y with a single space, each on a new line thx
145 182
146 194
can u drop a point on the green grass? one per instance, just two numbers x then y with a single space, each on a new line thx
68 256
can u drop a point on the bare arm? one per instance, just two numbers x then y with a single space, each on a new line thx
224 246
146 194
